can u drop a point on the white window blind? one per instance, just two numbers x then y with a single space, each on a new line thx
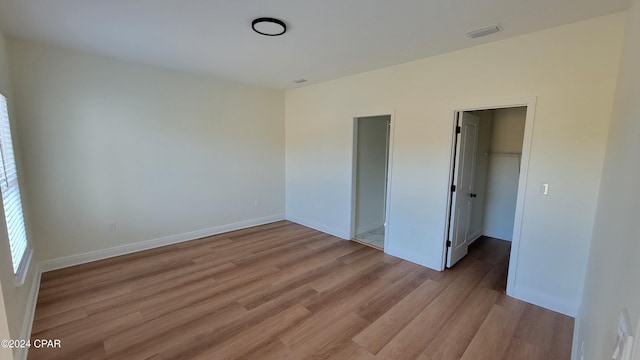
10 191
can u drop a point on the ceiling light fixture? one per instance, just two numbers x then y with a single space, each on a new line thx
300 81
484 31
269 26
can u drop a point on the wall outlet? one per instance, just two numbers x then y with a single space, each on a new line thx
256 204
110 227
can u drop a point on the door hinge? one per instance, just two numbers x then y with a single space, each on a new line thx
453 188
458 129
448 243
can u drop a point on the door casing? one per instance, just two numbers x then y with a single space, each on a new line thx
530 104
354 149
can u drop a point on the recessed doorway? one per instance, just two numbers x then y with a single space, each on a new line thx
370 169
489 165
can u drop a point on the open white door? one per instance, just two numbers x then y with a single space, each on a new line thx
462 189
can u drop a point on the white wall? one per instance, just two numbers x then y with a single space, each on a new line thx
481 171
5 353
17 299
572 71
613 272
508 130
371 172
503 172
160 153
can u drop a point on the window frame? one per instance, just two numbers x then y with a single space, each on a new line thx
15 226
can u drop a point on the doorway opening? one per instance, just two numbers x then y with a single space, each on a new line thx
488 177
371 145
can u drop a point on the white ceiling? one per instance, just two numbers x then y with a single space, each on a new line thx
326 39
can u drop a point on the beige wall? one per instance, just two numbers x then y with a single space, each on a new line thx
508 130
614 267
5 354
159 153
572 72
16 298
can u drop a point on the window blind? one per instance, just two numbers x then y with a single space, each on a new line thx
11 191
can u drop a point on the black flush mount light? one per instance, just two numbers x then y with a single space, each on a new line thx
269 26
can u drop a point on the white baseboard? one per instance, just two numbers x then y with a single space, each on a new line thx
78 259
320 227
409 256
369 227
577 335
475 237
497 236
29 313
546 301
39 268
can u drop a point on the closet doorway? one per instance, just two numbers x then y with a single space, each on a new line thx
484 186
371 145
452 239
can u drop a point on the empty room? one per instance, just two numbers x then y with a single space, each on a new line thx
330 180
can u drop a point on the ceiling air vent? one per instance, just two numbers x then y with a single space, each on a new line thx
484 31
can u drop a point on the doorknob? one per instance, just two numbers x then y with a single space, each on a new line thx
473 195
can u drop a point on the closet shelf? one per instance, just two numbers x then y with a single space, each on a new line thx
506 154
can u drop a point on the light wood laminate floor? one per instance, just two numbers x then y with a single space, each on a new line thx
284 291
